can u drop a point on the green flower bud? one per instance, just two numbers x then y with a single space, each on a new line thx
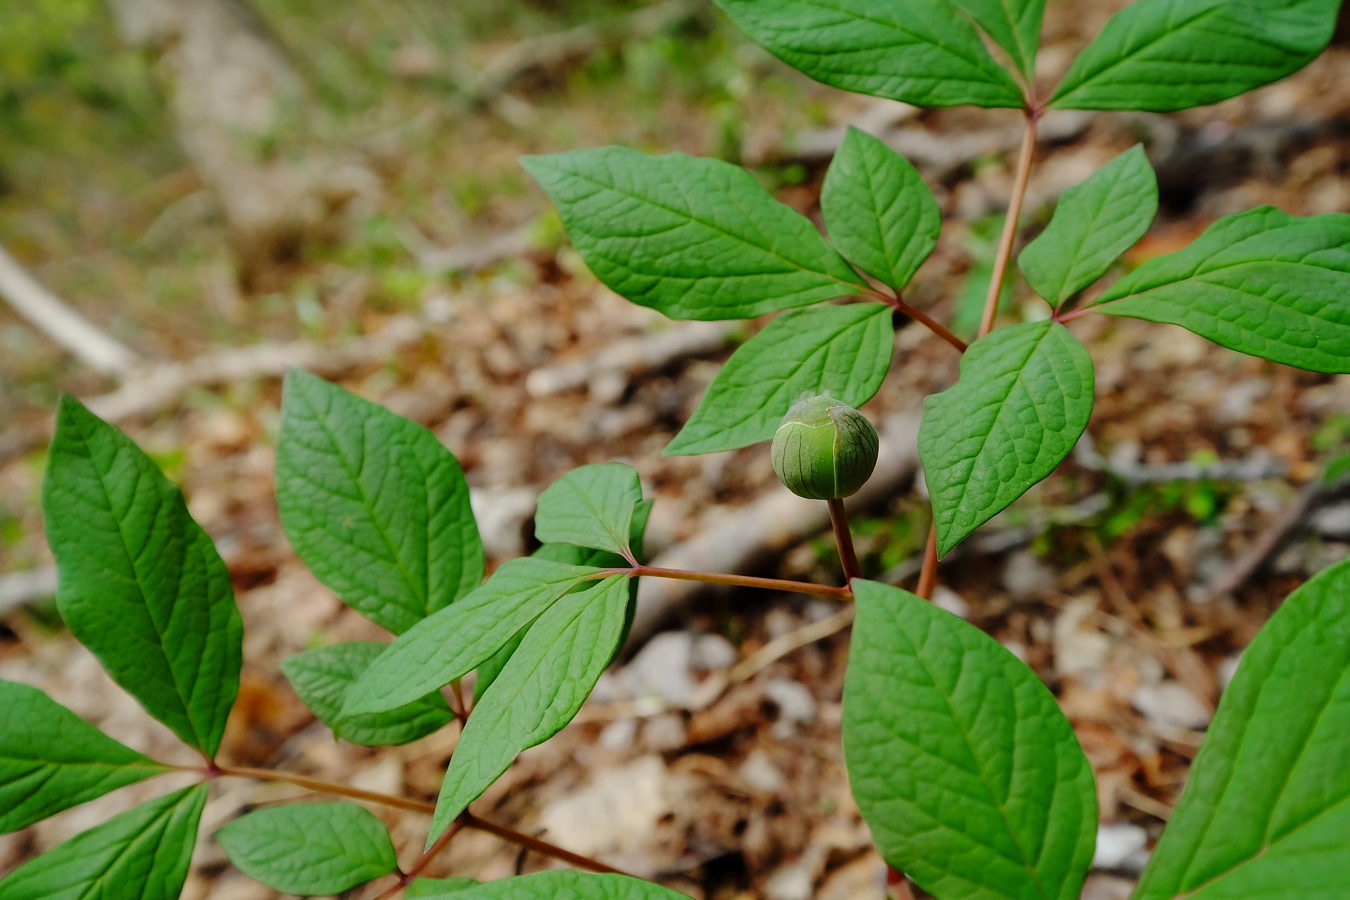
824 450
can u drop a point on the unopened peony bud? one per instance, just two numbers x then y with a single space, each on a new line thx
824 450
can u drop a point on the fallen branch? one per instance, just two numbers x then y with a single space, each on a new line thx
633 356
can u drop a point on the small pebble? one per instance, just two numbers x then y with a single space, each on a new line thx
1118 843
1169 703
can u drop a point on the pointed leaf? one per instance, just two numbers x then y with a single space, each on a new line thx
1022 402
436 888
1261 282
1165 55
591 507
538 692
1015 25
310 848
323 676
565 885
140 583
142 854
453 642
694 238
376 507
878 210
843 351
974 785
920 51
51 759
1095 223
1266 810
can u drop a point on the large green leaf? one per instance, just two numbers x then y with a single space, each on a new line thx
541 688
1266 811
310 848
453 642
142 854
843 351
962 763
694 238
591 506
373 503
878 210
1261 282
1095 223
51 759
564 885
1023 400
323 676
1165 55
1014 24
920 51
141 584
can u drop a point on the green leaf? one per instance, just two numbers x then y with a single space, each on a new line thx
51 759
591 507
489 670
1266 810
923 52
962 763
566 885
1261 282
1015 25
1165 55
453 642
843 351
141 584
1095 223
1023 400
323 676
538 692
310 848
142 854
376 507
878 210
435 888
694 238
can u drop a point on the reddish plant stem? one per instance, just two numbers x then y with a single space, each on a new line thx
928 574
898 303
416 868
768 584
848 557
1072 314
541 847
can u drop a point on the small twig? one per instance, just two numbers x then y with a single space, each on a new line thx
541 847
768 584
323 787
1241 569
843 537
1009 237
780 647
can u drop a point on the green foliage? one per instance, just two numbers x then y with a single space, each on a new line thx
878 210
977 788
323 676
1266 809
1164 55
590 507
570 886
310 848
843 351
1014 24
1022 402
1261 282
141 584
51 759
1095 223
435 888
693 238
375 506
142 854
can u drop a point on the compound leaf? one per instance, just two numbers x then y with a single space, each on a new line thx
878 210
142 854
1261 282
694 238
922 52
1015 25
323 676
310 848
1165 55
1023 400
540 689
1095 223
1266 809
373 503
976 787
843 351
453 642
591 506
566 885
51 759
141 585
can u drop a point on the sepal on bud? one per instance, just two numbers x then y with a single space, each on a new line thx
824 450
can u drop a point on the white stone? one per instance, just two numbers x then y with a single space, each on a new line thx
794 700
616 813
793 882
1333 521
712 653
661 668
1025 575
618 735
948 599
1170 703
1117 843
760 774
